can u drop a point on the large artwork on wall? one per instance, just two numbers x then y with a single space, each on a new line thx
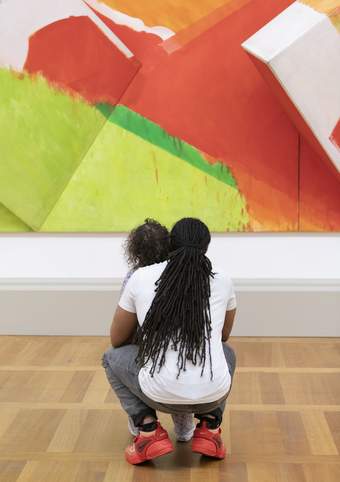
112 111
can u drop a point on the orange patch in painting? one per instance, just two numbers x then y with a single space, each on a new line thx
174 14
335 136
330 7
75 55
185 36
269 208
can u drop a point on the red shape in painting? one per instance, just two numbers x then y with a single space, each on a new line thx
209 94
319 192
335 136
74 54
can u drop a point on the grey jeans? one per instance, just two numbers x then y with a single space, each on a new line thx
122 373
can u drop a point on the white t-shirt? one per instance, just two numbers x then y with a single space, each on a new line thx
190 387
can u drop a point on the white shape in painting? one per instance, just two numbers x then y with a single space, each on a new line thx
282 31
134 23
301 47
19 19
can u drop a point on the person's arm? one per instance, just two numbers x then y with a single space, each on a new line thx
124 324
230 313
123 327
228 324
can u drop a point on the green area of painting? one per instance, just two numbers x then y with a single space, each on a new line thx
9 223
45 134
123 179
151 132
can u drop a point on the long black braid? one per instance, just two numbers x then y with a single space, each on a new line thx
180 312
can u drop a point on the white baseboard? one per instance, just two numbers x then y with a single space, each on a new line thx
266 307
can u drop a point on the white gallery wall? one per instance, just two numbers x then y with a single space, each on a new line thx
246 256
287 284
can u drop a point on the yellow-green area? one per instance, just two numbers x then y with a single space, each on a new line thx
44 134
152 132
123 179
9 223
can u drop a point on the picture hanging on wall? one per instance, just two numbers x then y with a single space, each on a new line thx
112 111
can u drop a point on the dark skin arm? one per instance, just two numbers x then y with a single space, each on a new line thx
123 327
228 324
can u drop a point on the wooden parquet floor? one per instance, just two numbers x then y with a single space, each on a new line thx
59 421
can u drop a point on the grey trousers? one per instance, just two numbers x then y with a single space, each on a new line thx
122 373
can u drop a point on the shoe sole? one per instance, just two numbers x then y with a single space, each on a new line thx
201 448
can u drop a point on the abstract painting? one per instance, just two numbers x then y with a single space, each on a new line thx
112 111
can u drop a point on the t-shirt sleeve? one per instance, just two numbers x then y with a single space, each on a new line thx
127 299
231 305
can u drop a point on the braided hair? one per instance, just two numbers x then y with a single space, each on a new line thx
179 315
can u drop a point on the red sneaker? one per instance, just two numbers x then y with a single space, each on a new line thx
206 442
148 448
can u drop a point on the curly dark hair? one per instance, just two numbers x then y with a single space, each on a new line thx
147 244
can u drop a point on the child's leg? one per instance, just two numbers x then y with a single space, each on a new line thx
184 426
132 427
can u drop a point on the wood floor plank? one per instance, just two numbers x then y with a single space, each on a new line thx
10 470
234 472
293 433
119 471
31 430
312 354
260 472
99 432
333 421
68 431
322 472
318 433
77 387
27 474
254 353
31 351
92 472
34 386
7 415
49 470
11 349
268 433
14 385
246 389
310 388
270 388
98 388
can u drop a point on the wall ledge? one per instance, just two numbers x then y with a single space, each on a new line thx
114 284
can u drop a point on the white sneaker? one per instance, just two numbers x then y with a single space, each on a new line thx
132 428
184 426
